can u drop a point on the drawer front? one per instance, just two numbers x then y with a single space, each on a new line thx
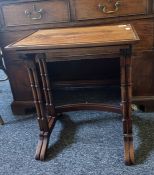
95 9
42 12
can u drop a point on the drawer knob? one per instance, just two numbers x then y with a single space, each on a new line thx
103 7
34 14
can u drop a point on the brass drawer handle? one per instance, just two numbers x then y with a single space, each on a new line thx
103 7
34 14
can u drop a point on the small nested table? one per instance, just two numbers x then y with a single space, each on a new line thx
77 43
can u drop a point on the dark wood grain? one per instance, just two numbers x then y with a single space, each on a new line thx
117 40
77 37
14 25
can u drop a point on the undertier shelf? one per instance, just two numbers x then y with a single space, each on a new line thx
106 95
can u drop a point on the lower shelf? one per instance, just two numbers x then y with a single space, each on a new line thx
88 96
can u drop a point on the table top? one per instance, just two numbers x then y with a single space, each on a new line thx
77 37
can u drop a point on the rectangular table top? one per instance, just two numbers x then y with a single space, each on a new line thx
77 37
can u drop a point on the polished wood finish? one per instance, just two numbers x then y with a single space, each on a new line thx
77 37
15 24
38 13
116 41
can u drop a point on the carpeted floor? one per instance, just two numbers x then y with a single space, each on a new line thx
82 143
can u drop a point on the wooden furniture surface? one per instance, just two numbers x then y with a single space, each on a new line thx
115 41
87 10
76 37
48 13
19 18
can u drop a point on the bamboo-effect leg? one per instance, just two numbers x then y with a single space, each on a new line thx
47 90
50 109
41 113
126 95
46 84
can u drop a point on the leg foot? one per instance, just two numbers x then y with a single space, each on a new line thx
128 150
44 140
42 146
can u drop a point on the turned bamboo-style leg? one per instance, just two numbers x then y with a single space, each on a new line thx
126 95
46 84
50 109
41 113
47 90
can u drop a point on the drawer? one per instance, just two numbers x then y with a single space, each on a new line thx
41 12
94 9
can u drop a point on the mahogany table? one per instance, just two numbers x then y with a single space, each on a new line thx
65 44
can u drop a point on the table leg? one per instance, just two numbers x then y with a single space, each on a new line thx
126 95
40 109
50 108
41 59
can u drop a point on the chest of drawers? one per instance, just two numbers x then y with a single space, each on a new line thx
19 18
